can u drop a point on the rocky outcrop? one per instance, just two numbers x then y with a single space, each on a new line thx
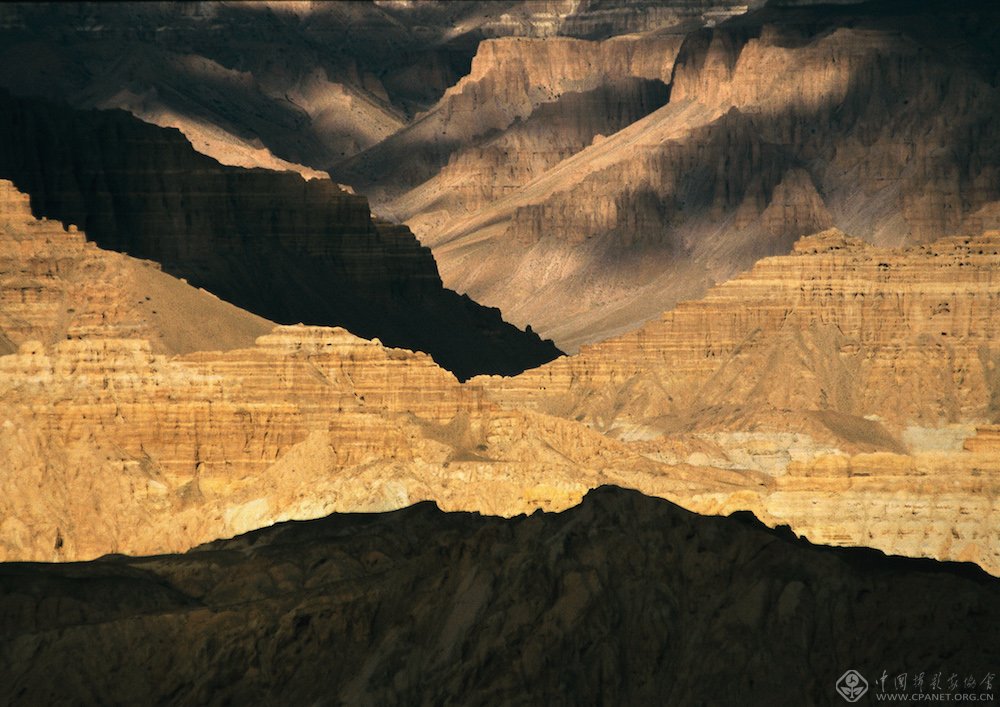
907 335
779 123
622 599
601 18
55 285
245 85
279 246
986 439
509 80
851 375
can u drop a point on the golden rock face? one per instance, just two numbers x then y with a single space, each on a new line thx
55 285
838 389
839 327
848 373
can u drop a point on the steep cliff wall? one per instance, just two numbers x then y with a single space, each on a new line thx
779 124
509 79
907 335
285 85
272 243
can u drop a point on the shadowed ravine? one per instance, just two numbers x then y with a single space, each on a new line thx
281 247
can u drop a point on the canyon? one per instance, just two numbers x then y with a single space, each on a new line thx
797 391
779 124
282 85
586 351
582 166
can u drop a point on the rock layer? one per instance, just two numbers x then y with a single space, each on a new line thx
56 285
743 400
176 451
805 367
288 85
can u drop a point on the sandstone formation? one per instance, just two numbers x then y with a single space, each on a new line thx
622 600
284 248
107 447
55 285
850 374
807 391
596 167
247 87
873 118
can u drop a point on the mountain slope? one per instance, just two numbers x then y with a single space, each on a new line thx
874 118
623 599
284 248
55 286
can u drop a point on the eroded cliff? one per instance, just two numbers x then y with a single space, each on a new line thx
817 390
850 374
780 123
284 248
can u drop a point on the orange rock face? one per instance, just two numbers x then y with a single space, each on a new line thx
909 336
849 374
175 451
55 285
816 390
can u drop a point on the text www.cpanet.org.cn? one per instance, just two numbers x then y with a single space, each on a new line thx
920 687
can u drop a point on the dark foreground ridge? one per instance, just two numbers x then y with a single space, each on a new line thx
269 242
623 599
